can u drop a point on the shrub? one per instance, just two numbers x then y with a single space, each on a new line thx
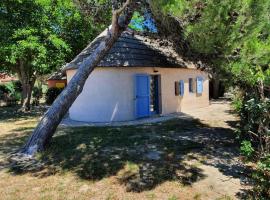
254 128
262 178
237 103
13 91
10 90
246 148
4 89
37 95
17 86
9 94
52 94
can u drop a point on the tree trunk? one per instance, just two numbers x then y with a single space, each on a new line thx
27 88
216 87
216 84
27 82
51 119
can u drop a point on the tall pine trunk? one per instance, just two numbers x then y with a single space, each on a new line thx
51 119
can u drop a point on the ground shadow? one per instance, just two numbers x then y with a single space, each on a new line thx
154 152
10 114
98 152
140 156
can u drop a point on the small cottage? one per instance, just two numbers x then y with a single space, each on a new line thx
140 77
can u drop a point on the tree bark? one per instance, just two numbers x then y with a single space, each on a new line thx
27 80
51 119
216 86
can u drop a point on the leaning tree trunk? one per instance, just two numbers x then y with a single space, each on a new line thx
51 119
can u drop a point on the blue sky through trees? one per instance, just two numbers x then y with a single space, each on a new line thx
143 23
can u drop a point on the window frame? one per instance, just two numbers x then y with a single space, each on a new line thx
199 81
191 85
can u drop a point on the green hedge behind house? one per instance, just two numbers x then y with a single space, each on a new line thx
52 94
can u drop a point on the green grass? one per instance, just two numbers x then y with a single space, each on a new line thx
93 153
97 152
79 157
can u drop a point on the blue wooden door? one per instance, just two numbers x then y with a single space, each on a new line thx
142 93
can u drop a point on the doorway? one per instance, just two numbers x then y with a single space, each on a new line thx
148 95
155 95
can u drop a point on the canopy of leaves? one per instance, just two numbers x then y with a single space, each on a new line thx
233 35
42 34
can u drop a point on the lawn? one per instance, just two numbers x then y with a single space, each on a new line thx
151 161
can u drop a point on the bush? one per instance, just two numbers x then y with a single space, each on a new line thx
237 103
37 95
11 90
246 148
17 86
254 128
262 178
3 90
14 91
52 94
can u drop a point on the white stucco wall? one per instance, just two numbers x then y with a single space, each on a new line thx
108 94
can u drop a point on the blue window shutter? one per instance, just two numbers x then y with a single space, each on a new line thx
199 85
182 87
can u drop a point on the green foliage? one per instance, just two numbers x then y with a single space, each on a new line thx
52 94
39 36
17 86
3 91
237 103
246 148
262 178
37 95
12 90
233 37
42 34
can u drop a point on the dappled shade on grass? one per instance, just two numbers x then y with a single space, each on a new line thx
141 157
12 114
98 152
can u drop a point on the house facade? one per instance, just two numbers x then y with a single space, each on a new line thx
138 78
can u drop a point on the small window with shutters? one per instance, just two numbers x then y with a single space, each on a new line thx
181 87
199 85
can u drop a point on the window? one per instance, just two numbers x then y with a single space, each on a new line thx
182 87
199 85
191 86
179 88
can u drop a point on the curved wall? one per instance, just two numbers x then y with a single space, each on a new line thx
108 94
